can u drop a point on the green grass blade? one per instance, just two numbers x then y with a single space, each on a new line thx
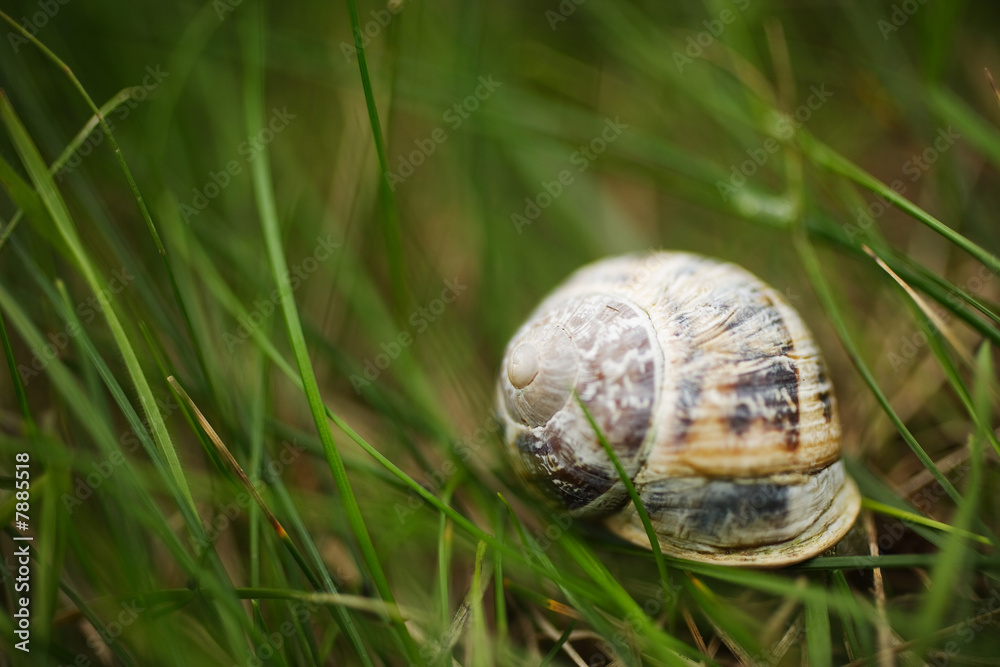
972 127
812 266
390 215
654 543
253 52
52 530
830 159
554 651
951 571
100 116
15 379
910 517
818 635
445 544
60 214
849 623
28 200
480 640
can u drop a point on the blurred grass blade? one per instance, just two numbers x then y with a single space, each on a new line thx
100 115
466 613
826 157
480 638
910 517
264 195
993 84
924 307
60 161
445 543
737 630
343 618
818 635
812 266
60 214
28 200
390 216
654 543
53 527
557 647
984 137
951 572
15 379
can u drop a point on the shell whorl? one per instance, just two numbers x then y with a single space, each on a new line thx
541 369
603 348
713 394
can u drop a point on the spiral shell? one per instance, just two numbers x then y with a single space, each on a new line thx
712 393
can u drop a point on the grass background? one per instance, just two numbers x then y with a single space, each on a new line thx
267 271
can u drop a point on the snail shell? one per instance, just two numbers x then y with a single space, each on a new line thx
712 393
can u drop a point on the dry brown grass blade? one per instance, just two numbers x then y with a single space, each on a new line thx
885 643
224 453
779 619
788 639
695 632
993 84
923 477
553 634
939 323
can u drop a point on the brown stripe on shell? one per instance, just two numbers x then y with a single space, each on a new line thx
689 385
766 386
776 385
550 463
824 394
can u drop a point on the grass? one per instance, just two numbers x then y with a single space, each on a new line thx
325 221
